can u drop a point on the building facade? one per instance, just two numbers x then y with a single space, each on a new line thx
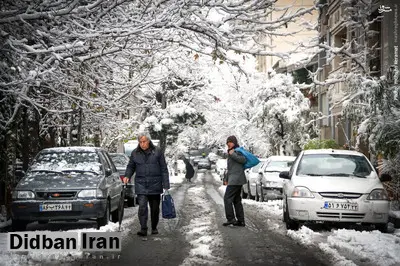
376 46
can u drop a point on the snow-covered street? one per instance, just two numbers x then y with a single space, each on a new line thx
197 237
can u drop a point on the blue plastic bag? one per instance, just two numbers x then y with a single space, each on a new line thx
168 207
251 159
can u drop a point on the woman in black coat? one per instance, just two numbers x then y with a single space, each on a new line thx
189 170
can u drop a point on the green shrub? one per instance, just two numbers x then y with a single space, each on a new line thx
321 144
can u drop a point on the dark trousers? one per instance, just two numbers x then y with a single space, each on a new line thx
154 202
233 200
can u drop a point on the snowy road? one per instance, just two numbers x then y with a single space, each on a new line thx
197 237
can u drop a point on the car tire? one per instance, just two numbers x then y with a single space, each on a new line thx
19 225
257 195
290 224
102 221
244 194
382 227
131 202
261 193
249 196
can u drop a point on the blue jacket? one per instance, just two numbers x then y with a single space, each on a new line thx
151 170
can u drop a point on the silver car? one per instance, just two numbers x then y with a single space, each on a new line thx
252 176
334 186
268 185
67 184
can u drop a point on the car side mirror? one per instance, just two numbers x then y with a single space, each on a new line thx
284 175
385 178
108 172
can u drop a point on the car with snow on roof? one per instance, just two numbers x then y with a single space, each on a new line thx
68 183
334 186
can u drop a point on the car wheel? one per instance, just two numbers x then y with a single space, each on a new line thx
131 202
382 227
249 196
18 225
106 217
290 224
244 194
257 195
261 193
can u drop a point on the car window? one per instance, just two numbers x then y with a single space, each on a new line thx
334 165
105 162
71 160
119 159
279 164
110 162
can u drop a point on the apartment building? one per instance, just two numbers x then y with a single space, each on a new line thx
283 44
381 58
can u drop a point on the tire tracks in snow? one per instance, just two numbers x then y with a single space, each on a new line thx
206 245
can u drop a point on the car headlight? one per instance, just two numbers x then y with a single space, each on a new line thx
378 194
20 194
302 192
90 193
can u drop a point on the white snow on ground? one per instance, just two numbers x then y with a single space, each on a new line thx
202 231
202 234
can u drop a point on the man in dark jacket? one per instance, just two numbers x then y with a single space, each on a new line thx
236 179
151 178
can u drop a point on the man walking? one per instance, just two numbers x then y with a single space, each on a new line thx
151 178
236 179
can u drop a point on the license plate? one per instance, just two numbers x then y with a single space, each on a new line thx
55 207
341 206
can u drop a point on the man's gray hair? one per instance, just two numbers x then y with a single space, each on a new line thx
144 134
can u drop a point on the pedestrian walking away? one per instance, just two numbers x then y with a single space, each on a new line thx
151 180
235 179
189 170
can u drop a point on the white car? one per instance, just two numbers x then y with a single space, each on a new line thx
334 186
269 185
252 176
220 167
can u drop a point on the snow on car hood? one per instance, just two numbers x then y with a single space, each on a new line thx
43 181
337 184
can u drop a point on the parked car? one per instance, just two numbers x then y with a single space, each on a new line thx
69 183
220 167
334 186
204 163
252 176
121 160
269 185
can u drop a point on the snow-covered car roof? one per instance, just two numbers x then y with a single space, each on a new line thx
72 149
331 151
282 158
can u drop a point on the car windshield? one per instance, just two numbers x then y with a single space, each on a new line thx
119 159
67 161
204 161
334 165
257 167
278 164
